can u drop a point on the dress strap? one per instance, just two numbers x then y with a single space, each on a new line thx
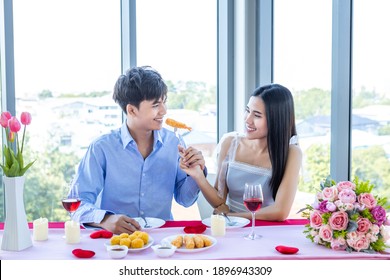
233 148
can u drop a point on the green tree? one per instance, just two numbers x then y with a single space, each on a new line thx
367 164
317 166
45 94
307 103
45 182
372 164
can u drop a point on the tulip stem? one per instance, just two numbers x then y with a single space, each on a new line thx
24 132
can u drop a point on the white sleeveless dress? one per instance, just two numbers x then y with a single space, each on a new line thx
238 173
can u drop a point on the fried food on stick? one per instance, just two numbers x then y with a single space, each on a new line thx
176 124
206 240
199 243
178 241
189 242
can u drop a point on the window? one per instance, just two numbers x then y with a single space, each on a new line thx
371 94
302 63
181 43
67 60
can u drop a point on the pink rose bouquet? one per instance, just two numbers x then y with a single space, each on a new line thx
13 163
346 216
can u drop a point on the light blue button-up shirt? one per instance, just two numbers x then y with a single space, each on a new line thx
114 177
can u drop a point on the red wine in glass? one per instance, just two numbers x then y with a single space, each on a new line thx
253 200
71 200
71 204
253 204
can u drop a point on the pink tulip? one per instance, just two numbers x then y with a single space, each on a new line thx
5 117
14 124
25 118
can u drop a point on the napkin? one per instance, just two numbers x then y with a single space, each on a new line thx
101 234
83 254
286 249
195 229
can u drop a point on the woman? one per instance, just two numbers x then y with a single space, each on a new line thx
267 154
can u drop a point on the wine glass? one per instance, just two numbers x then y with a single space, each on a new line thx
253 199
71 200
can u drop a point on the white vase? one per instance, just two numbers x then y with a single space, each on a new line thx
16 236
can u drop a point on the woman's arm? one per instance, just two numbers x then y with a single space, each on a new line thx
209 192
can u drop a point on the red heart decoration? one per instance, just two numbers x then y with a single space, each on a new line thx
195 229
101 234
286 250
83 254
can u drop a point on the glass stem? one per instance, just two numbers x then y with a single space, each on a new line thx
253 224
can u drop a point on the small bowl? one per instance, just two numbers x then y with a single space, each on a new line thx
117 251
164 251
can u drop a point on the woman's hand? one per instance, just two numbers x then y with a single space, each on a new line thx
223 208
191 157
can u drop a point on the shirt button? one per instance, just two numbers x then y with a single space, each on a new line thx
142 212
143 174
142 194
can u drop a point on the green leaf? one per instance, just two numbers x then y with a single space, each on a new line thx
352 226
7 155
23 170
20 158
14 169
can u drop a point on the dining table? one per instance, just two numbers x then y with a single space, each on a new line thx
231 246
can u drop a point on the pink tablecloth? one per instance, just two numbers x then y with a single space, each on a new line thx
231 246
194 223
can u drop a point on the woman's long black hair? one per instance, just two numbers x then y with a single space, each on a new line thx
279 108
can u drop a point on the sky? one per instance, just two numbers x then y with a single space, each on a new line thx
65 46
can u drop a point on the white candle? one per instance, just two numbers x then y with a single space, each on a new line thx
72 232
218 227
40 229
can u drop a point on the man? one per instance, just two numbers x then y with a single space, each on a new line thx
135 170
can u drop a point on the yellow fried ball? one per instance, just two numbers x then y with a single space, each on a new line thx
115 240
126 242
132 236
144 236
124 235
137 243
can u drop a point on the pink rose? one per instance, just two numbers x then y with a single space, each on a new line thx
315 219
374 229
345 185
338 220
329 194
359 207
326 233
361 242
363 225
338 244
385 234
347 196
367 200
331 207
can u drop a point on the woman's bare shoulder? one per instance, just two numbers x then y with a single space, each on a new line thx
227 139
295 151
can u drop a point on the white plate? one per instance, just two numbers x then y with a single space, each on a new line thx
241 222
150 243
153 222
183 249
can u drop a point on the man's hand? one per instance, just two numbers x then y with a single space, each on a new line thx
118 224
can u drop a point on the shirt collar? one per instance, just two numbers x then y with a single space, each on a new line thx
127 138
